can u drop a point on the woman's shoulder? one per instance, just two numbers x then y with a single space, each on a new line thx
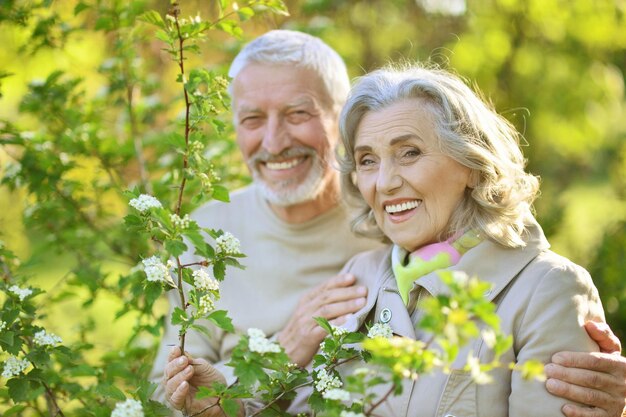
549 265
371 257
369 265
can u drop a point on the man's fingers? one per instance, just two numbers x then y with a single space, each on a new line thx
595 361
583 377
335 310
176 365
177 400
174 353
602 334
572 410
174 382
588 396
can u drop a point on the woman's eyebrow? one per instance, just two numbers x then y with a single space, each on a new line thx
405 138
362 148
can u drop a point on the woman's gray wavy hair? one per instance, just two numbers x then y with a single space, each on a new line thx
469 131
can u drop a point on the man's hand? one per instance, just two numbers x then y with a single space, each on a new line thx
183 376
334 300
596 379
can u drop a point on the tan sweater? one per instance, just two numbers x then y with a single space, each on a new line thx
283 262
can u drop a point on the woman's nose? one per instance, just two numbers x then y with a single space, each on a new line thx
389 178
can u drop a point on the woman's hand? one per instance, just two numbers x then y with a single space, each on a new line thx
183 376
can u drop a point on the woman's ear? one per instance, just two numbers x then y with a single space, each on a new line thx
474 179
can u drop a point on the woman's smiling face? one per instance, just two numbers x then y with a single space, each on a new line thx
411 186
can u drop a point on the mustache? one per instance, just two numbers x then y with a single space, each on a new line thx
263 156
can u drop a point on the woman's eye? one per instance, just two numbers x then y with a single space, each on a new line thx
365 161
412 153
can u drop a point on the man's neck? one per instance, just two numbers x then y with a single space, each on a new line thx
308 210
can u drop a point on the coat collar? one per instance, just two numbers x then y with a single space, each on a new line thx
488 261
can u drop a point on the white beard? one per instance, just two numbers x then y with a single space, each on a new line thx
287 193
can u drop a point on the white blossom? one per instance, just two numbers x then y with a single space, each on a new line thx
3 324
489 336
478 375
21 292
14 366
128 408
338 331
228 244
206 304
42 338
145 202
380 330
155 270
337 394
325 381
202 281
345 413
259 343
180 223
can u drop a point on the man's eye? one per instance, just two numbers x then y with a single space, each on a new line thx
299 116
250 121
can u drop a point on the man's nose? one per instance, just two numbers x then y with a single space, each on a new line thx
275 136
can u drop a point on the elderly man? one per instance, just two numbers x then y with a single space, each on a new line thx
287 92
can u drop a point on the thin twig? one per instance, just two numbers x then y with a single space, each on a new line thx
382 400
175 11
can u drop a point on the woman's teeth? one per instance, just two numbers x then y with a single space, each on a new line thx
396 208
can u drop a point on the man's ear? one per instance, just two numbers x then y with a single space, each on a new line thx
474 179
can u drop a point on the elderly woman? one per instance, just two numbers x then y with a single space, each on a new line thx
436 171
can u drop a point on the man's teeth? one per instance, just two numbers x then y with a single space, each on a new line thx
395 208
283 165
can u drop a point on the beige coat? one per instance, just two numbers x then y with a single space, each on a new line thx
542 300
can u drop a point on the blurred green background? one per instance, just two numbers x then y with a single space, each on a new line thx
554 68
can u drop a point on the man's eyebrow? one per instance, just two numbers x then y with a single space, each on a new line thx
362 148
248 109
303 101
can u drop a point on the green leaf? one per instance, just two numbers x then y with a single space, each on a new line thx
249 373
18 388
16 409
353 338
230 407
219 270
245 13
175 247
6 338
323 323
153 17
220 193
179 316
80 7
110 391
133 220
221 320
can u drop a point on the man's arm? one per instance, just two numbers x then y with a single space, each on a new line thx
333 300
596 379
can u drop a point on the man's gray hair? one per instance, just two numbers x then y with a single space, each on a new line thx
291 48
469 131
